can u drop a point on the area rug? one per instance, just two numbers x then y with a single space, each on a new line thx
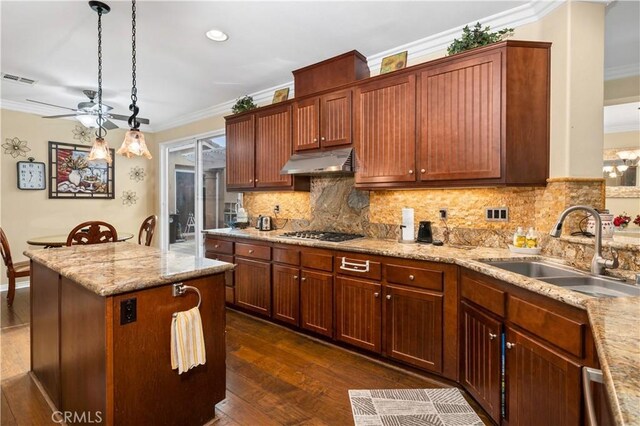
412 407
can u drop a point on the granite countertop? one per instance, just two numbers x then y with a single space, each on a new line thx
614 321
114 268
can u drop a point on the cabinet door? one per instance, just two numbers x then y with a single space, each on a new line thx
306 132
240 152
480 373
384 133
358 313
543 387
273 147
413 320
335 119
316 302
460 119
286 294
253 285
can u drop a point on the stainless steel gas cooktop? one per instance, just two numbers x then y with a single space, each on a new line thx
322 236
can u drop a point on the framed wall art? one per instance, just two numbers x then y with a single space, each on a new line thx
394 62
280 95
73 176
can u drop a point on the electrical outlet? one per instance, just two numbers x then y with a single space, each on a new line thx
128 311
276 209
443 214
496 214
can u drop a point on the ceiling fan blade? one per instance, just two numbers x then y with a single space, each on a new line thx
125 118
44 103
60 116
109 125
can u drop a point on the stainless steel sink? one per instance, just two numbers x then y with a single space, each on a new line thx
535 269
569 278
595 286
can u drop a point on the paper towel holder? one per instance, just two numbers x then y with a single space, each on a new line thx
401 241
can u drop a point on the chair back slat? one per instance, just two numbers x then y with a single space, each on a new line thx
147 229
92 232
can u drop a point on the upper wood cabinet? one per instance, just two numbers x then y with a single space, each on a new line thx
322 122
384 133
258 146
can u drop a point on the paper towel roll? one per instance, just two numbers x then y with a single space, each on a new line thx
407 222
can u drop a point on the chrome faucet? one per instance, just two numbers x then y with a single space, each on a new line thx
598 263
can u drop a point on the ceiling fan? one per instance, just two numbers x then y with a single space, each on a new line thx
87 113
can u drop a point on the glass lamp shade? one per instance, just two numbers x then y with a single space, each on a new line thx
89 121
100 151
134 144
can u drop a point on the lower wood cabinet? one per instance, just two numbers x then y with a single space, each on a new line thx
316 302
286 294
413 320
358 313
253 285
543 386
481 358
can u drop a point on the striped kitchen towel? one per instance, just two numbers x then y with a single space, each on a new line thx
187 341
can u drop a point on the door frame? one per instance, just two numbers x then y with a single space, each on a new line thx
165 148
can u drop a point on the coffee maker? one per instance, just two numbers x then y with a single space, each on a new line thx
424 232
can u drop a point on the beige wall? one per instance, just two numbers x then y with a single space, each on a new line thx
622 90
622 140
26 214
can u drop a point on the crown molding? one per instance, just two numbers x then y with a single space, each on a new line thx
624 127
262 97
621 71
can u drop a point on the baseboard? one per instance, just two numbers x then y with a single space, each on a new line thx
20 284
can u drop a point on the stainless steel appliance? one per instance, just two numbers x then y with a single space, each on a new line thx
335 161
264 223
424 232
335 237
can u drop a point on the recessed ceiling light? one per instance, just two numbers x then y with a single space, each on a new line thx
217 35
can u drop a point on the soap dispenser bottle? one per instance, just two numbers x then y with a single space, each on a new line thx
519 238
532 238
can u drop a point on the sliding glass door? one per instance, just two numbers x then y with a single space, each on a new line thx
193 192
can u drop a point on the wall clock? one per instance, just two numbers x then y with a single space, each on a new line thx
31 175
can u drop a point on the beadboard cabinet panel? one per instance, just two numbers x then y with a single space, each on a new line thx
306 133
335 119
273 147
240 135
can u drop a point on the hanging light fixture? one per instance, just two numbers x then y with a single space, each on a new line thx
134 143
100 149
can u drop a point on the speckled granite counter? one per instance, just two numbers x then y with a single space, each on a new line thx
113 268
614 320
614 323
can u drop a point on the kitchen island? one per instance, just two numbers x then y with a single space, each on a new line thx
100 334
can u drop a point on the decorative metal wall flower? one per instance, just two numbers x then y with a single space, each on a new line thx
15 147
82 134
137 174
129 198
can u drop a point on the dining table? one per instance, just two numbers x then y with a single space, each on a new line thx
61 240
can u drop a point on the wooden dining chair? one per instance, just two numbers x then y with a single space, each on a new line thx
14 270
92 232
147 229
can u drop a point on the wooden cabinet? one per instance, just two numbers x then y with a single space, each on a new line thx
322 122
258 146
253 285
286 294
480 357
358 313
384 130
460 118
316 302
413 320
543 386
240 134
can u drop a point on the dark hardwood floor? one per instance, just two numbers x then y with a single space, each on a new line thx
274 376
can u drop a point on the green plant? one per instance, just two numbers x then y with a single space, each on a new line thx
243 104
477 37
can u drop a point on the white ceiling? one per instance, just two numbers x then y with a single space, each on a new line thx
180 72
622 39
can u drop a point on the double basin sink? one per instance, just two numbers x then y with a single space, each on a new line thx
570 279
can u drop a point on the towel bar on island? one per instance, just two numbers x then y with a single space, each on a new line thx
180 289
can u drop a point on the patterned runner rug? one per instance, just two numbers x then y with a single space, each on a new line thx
412 407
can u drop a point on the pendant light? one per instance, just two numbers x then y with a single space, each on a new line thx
134 143
100 149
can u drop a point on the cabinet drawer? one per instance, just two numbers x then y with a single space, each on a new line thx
484 295
416 277
218 246
286 255
253 251
363 268
563 332
316 260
